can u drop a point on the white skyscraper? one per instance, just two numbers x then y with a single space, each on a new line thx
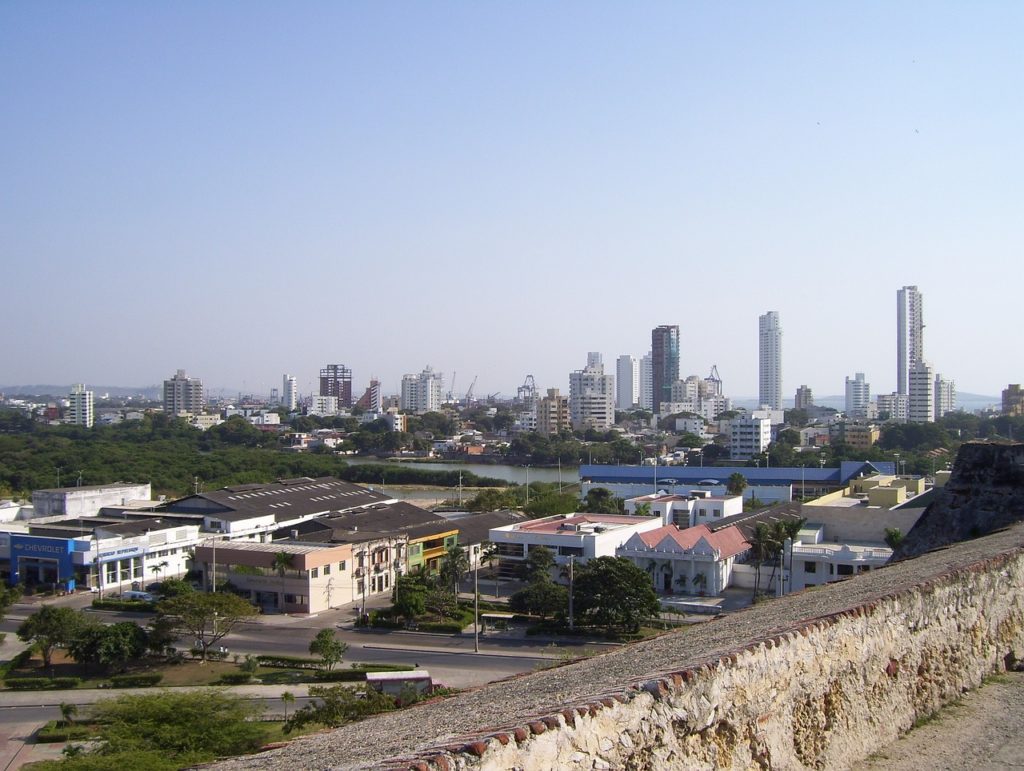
945 396
858 396
922 393
770 361
421 393
909 335
591 399
627 382
80 406
183 394
646 383
289 392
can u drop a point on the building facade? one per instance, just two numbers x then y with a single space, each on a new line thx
1013 400
858 396
183 394
895 405
336 381
664 363
749 437
80 407
289 393
945 396
591 398
627 382
646 383
553 413
770 360
804 398
921 399
421 393
909 335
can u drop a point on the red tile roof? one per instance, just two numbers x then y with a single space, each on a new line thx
729 540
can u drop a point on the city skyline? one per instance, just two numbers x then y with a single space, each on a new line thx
408 180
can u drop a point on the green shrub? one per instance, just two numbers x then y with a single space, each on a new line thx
380 622
341 676
442 627
139 606
142 680
235 678
66 683
16 663
289 662
28 683
51 732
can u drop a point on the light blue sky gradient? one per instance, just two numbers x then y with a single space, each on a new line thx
245 189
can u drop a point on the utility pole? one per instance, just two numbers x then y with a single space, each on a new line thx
572 564
476 605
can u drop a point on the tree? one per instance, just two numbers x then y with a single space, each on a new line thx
454 565
328 648
540 598
538 565
8 596
762 547
409 600
737 483
489 557
893 537
110 646
207 617
67 712
612 592
50 627
600 500
283 562
287 697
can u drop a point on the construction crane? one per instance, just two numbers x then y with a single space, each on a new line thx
714 380
451 387
527 392
469 393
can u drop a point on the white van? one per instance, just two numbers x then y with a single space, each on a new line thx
133 595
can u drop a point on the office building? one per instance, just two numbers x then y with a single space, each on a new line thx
804 398
591 397
664 363
921 399
371 398
945 396
553 413
336 381
749 437
421 393
909 335
289 393
80 407
893 406
858 396
646 383
1013 400
183 394
770 361
627 382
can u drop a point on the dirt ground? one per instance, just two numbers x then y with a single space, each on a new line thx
984 730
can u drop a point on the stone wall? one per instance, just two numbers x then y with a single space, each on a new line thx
817 679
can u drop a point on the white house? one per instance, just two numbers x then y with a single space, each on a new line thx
697 560
688 510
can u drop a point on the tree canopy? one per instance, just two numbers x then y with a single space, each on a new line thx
613 593
49 627
207 617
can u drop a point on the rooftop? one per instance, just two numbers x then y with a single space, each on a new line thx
571 521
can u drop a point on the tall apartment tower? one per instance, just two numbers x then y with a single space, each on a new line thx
769 392
804 398
421 393
183 394
945 396
664 363
371 398
909 335
858 396
289 393
627 382
591 398
336 380
553 413
80 406
921 407
646 383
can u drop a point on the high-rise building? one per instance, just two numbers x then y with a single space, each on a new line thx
591 398
894 406
945 396
909 335
804 398
595 360
1013 400
553 413
921 399
80 406
858 396
627 382
371 398
421 393
336 380
749 437
646 383
664 363
770 361
289 393
183 394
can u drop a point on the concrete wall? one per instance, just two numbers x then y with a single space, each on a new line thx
818 679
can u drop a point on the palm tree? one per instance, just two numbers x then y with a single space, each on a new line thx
288 698
455 565
761 549
489 556
67 711
283 561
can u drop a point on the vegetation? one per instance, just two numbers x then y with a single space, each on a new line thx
614 593
328 648
207 618
50 627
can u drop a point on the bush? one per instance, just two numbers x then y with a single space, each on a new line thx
66 683
236 678
382 622
442 627
16 663
341 675
289 662
28 683
51 732
142 680
139 606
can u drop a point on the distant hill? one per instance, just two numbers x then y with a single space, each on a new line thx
147 392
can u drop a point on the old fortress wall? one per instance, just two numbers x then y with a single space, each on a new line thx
817 679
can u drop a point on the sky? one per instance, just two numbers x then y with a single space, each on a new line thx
244 189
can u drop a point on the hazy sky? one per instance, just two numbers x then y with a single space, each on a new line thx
243 189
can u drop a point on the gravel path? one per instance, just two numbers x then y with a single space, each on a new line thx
984 730
512 702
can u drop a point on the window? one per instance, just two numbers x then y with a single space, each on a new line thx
844 570
716 512
314 572
341 566
327 569
810 567
570 551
